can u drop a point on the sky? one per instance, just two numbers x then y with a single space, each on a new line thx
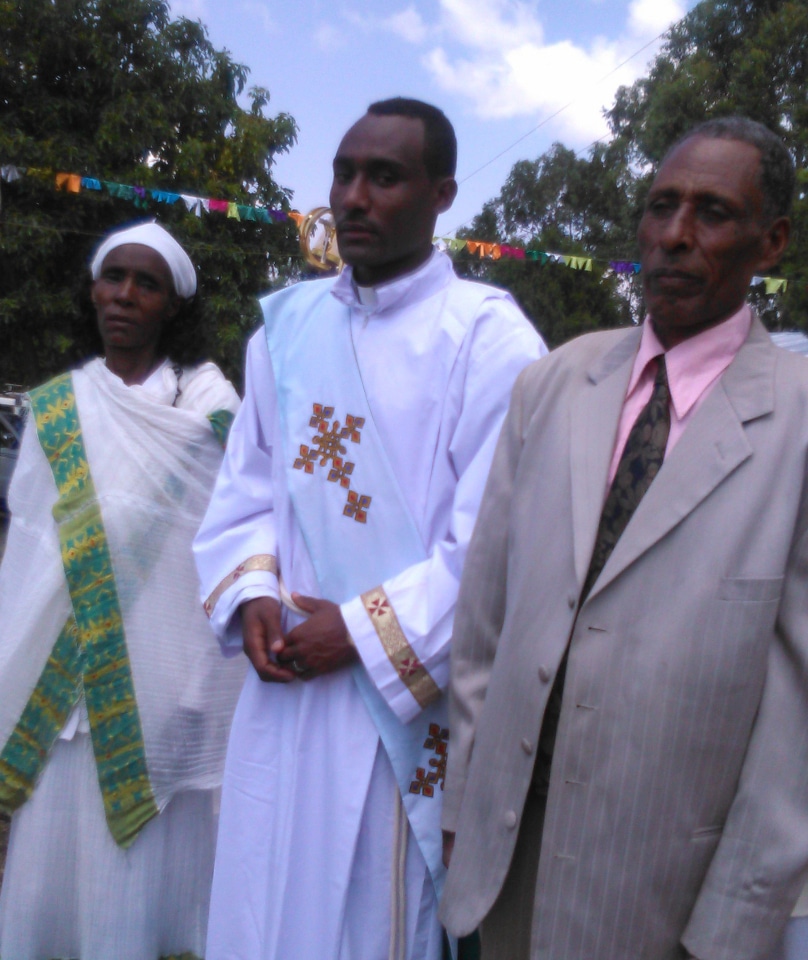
499 69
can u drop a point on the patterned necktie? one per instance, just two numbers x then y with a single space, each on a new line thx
639 463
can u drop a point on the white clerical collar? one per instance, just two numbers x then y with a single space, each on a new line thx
431 277
367 297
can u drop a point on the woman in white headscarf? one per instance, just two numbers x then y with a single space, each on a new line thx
114 701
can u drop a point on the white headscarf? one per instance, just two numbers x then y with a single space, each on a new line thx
160 240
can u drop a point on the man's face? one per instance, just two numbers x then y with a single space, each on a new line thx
384 201
703 236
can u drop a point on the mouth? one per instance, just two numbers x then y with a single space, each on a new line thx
674 281
117 322
353 230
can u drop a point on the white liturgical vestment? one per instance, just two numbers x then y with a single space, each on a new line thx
306 843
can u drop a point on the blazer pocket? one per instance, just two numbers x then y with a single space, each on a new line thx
751 590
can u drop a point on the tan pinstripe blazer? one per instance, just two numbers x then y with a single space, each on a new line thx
678 805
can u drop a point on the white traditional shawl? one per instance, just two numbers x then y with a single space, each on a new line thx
160 696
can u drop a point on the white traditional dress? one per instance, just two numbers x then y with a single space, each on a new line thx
354 469
114 701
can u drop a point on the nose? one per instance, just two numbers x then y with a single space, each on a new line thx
124 292
678 231
355 195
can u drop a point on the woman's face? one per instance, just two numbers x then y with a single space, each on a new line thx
133 297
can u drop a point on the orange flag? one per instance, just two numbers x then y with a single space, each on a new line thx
68 181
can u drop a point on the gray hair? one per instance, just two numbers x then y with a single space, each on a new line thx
777 176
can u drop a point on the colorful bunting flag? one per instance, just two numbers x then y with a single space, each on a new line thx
68 181
73 183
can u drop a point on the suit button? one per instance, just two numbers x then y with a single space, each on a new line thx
527 746
510 819
544 674
571 601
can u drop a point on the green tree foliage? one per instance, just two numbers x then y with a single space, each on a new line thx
115 89
562 204
561 303
725 57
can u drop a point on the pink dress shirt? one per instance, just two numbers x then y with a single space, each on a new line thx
694 366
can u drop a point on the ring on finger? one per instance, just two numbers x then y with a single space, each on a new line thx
297 667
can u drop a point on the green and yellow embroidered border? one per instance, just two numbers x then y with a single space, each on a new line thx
109 692
44 715
221 421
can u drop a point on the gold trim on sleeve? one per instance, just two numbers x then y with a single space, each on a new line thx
409 668
261 561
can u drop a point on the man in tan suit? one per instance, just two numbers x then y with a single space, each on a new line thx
628 773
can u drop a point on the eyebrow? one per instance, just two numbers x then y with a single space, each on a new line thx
707 196
369 163
140 274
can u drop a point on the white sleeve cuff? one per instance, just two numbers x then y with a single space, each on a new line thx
223 616
388 658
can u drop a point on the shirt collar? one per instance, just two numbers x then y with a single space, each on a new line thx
428 279
695 363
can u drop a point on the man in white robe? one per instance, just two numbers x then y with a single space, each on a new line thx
326 850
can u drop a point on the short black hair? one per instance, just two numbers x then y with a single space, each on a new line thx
777 176
440 142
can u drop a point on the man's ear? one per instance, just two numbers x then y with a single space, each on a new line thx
774 243
445 193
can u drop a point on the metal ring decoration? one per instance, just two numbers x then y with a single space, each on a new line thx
318 240
296 667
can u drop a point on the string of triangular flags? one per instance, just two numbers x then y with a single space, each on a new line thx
139 196
496 251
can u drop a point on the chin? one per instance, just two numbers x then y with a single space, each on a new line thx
358 255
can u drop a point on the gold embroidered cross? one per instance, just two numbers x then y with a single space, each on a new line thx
357 506
329 444
341 472
378 607
408 667
424 783
327 448
305 461
321 416
352 427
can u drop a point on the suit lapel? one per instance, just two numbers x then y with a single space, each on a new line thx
595 414
711 448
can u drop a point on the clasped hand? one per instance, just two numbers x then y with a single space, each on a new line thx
318 645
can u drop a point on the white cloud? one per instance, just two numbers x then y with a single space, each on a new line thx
328 37
257 14
649 18
191 9
407 24
254 12
491 26
494 55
